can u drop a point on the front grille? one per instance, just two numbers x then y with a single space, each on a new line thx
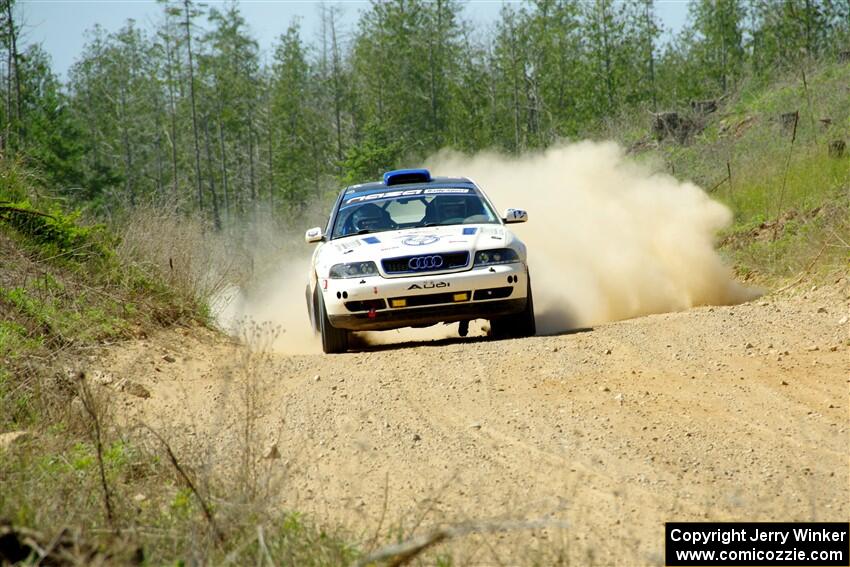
493 293
450 261
431 299
366 305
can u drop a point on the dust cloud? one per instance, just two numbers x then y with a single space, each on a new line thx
608 238
275 300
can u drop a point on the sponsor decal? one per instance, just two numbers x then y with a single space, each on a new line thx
470 230
444 190
348 246
408 193
429 285
423 240
371 240
387 195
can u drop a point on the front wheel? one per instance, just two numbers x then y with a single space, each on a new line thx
312 311
518 325
334 340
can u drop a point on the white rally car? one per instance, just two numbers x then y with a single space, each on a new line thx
413 251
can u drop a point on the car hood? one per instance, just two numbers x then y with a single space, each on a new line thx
415 241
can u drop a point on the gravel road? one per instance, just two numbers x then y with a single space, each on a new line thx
716 413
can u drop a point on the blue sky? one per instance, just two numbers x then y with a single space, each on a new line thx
60 25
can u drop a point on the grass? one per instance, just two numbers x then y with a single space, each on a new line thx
186 255
54 483
63 289
83 486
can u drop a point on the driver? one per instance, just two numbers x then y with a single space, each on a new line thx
451 208
370 217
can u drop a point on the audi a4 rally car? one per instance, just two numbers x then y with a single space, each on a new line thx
414 250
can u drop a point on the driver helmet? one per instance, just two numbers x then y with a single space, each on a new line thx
450 207
369 217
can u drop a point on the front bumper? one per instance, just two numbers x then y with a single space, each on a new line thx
377 303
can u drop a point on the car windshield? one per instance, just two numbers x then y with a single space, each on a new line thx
394 210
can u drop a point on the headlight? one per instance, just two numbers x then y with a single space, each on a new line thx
353 270
498 256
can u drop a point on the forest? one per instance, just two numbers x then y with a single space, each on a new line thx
191 113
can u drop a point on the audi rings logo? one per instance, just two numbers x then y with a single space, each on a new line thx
425 263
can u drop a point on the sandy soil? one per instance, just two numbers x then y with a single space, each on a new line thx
717 413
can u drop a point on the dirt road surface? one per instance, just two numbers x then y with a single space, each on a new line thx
717 413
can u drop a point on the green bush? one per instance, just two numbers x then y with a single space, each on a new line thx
57 233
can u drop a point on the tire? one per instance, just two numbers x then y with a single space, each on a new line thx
311 309
334 341
516 326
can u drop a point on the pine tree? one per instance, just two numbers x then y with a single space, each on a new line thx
293 120
718 48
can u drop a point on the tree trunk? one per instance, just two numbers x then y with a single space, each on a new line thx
650 52
270 140
188 25
606 49
723 62
129 187
253 183
160 168
337 91
808 23
433 72
514 72
211 176
14 63
172 107
7 131
224 189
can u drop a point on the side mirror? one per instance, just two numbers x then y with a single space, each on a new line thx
514 215
314 235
